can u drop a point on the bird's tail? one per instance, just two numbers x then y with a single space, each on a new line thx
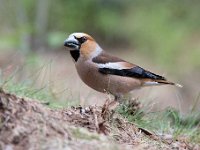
169 82
161 82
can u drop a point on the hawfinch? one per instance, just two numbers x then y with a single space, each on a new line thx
106 73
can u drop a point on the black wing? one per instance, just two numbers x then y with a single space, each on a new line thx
136 72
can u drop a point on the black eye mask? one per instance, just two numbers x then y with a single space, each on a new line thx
81 39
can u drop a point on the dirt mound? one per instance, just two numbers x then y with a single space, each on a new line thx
28 124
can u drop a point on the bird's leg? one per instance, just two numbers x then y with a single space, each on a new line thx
113 104
108 107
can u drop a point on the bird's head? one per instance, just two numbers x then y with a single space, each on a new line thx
84 43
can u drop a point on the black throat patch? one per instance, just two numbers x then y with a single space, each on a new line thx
75 54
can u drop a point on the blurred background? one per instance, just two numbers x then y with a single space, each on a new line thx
161 36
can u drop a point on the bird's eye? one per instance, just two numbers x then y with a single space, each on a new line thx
82 39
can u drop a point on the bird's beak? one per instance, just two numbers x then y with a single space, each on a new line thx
72 42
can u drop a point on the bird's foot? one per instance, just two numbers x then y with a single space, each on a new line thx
108 109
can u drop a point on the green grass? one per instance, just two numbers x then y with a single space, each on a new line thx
23 81
43 94
169 121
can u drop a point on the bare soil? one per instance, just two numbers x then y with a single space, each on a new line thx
29 124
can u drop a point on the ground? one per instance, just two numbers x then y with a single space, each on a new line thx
29 124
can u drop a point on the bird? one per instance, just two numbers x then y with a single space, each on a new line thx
106 73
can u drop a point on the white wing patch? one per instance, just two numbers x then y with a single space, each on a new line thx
115 65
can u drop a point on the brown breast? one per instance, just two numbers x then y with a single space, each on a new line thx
113 84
